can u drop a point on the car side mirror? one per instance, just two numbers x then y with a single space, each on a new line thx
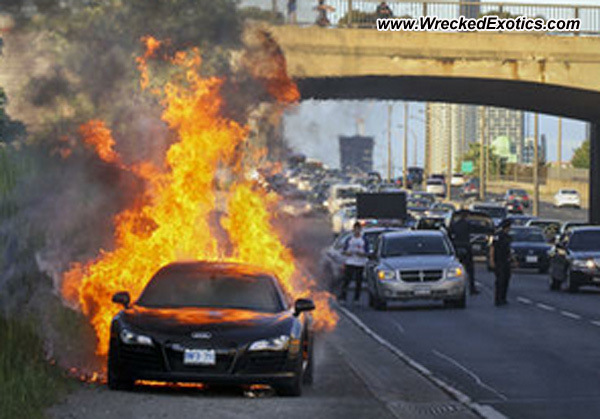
303 304
122 298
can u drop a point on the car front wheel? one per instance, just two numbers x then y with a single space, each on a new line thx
116 379
572 286
294 387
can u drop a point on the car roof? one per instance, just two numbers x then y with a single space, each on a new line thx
544 220
585 229
213 266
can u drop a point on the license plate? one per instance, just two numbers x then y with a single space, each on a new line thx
199 357
477 247
422 291
531 259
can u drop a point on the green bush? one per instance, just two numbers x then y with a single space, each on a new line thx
28 383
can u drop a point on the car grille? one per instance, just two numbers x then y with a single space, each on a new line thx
143 358
255 363
421 275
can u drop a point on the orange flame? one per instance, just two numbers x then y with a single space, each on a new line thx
171 221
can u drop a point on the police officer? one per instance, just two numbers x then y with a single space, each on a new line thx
501 259
460 233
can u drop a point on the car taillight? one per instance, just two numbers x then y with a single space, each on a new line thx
511 197
526 197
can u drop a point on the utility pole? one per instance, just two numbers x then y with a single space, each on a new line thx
536 162
274 6
449 157
389 144
481 154
559 151
426 151
405 148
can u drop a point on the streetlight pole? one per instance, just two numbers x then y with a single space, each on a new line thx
536 181
405 149
481 154
389 144
449 161
559 151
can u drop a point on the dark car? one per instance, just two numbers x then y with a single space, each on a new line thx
520 195
423 195
575 260
470 189
482 229
530 249
430 223
568 226
495 211
514 207
212 322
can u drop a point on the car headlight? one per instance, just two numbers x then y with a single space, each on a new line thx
385 275
280 343
584 263
456 272
130 338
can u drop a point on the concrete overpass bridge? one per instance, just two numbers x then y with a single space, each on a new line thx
558 75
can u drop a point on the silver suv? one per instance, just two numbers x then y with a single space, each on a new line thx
411 265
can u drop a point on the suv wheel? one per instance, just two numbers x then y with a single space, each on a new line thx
572 286
116 380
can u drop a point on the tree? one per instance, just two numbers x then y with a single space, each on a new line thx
581 156
473 154
10 130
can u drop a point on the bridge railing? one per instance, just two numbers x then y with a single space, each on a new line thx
362 13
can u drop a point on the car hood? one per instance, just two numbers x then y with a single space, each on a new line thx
530 246
230 324
586 255
421 262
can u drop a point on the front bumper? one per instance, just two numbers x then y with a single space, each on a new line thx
525 261
439 290
233 366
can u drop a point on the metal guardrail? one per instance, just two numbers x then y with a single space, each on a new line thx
361 13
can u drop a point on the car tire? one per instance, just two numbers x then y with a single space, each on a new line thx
294 387
572 286
308 375
116 379
379 304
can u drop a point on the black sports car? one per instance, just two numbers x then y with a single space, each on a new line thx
212 322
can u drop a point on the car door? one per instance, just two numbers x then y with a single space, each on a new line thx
336 257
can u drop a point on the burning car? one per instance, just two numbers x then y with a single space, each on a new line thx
212 322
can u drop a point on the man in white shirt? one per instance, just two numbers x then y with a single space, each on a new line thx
355 249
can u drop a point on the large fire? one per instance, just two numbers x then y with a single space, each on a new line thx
172 220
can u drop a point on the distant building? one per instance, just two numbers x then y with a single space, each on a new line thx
450 128
356 153
528 152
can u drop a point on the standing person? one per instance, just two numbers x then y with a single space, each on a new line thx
384 11
292 6
501 259
355 249
322 9
460 233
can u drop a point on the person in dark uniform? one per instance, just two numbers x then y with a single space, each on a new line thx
460 234
502 258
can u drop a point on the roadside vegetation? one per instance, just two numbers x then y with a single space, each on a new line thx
28 382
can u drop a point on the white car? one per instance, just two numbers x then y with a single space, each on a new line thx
436 187
567 198
342 195
343 220
458 179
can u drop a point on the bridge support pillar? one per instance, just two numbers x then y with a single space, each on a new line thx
594 195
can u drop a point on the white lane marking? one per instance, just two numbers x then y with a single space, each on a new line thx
545 307
483 410
399 326
470 373
524 300
571 315
595 322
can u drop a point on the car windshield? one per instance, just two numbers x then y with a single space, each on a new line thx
585 241
518 192
568 192
527 235
176 289
494 212
413 245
